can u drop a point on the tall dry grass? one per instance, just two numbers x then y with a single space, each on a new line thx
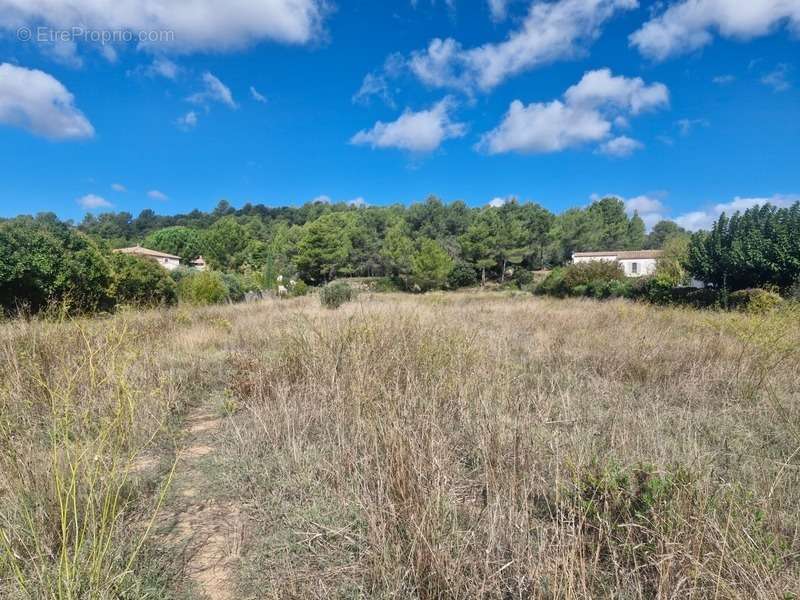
82 404
441 446
470 446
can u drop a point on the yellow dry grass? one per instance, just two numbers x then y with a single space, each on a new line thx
441 446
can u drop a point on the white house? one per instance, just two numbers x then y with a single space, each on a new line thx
169 261
635 263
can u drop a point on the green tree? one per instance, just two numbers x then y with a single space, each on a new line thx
431 265
224 243
479 244
141 282
752 249
180 241
662 232
43 261
324 247
636 233
397 251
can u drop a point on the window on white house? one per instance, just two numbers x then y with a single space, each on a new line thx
634 267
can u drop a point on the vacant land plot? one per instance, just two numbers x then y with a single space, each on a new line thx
439 446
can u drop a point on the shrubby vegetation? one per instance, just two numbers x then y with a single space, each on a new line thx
335 294
425 246
141 283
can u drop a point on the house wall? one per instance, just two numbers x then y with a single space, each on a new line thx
638 267
170 264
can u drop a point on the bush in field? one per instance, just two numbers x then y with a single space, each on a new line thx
44 261
754 301
201 288
300 288
553 284
462 275
335 294
141 282
236 287
592 272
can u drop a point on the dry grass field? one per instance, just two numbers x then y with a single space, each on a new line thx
440 446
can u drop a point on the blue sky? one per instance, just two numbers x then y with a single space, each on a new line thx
682 109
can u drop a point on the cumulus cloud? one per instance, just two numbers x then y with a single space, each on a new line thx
551 31
357 202
196 25
157 195
257 96
93 202
118 187
214 91
690 24
602 88
420 132
544 127
704 219
620 146
587 114
36 101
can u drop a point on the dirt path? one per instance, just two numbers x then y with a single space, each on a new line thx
206 531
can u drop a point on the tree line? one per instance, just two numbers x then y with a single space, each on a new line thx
423 246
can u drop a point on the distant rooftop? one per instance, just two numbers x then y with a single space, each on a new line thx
621 254
140 251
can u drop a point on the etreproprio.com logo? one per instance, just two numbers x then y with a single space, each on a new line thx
95 36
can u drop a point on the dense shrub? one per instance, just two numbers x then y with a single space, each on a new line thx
300 288
755 300
44 261
599 279
592 272
335 294
141 282
553 284
205 287
387 285
522 277
462 275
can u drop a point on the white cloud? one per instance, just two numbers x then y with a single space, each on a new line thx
551 31
157 195
93 202
257 96
541 127
188 121
196 25
323 199
620 146
602 88
421 131
690 24
215 91
704 219
163 67
498 9
778 79
647 206
118 187
500 202
39 103
584 116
